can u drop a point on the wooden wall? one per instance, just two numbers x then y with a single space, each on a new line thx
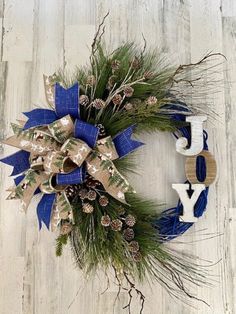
40 36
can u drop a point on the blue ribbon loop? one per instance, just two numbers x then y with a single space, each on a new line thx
124 144
75 177
86 132
39 117
19 160
67 101
44 209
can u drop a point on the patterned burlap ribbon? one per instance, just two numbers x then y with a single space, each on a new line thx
50 161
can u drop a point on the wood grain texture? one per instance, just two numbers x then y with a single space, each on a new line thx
38 37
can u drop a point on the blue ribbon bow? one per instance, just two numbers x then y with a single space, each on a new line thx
66 102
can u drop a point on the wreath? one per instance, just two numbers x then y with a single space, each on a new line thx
77 154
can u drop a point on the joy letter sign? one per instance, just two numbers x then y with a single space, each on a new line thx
193 152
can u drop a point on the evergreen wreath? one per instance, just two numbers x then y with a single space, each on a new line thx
78 155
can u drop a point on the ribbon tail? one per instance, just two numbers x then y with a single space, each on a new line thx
124 144
44 209
67 101
38 117
19 161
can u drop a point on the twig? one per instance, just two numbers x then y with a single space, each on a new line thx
98 36
132 287
185 66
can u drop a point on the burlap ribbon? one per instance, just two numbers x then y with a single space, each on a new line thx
49 160
58 149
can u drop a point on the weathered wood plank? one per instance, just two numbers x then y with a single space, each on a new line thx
11 274
18 30
53 34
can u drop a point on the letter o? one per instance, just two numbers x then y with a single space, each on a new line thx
190 168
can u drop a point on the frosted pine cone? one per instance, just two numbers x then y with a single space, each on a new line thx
103 201
83 193
128 91
91 80
71 191
115 65
133 246
87 208
91 183
116 225
148 75
106 221
91 195
128 106
66 228
117 99
152 100
128 234
137 257
130 220
84 100
120 210
135 63
98 104
111 81
102 131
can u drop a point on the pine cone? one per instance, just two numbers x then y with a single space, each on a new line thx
91 183
103 201
84 100
152 100
65 228
106 221
128 106
102 131
120 210
87 208
137 257
117 99
83 193
91 80
91 195
115 64
128 91
135 63
71 191
148 75
116 225
133 246
130 220
128 234
111 81
98 104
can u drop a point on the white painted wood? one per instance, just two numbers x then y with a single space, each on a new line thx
38 37
196 123
188 202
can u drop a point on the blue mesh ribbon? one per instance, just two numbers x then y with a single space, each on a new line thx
67 101
39 117
75 177
18 160
124 144
86 132
44 209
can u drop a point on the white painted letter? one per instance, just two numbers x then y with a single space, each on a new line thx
188 203
196 137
